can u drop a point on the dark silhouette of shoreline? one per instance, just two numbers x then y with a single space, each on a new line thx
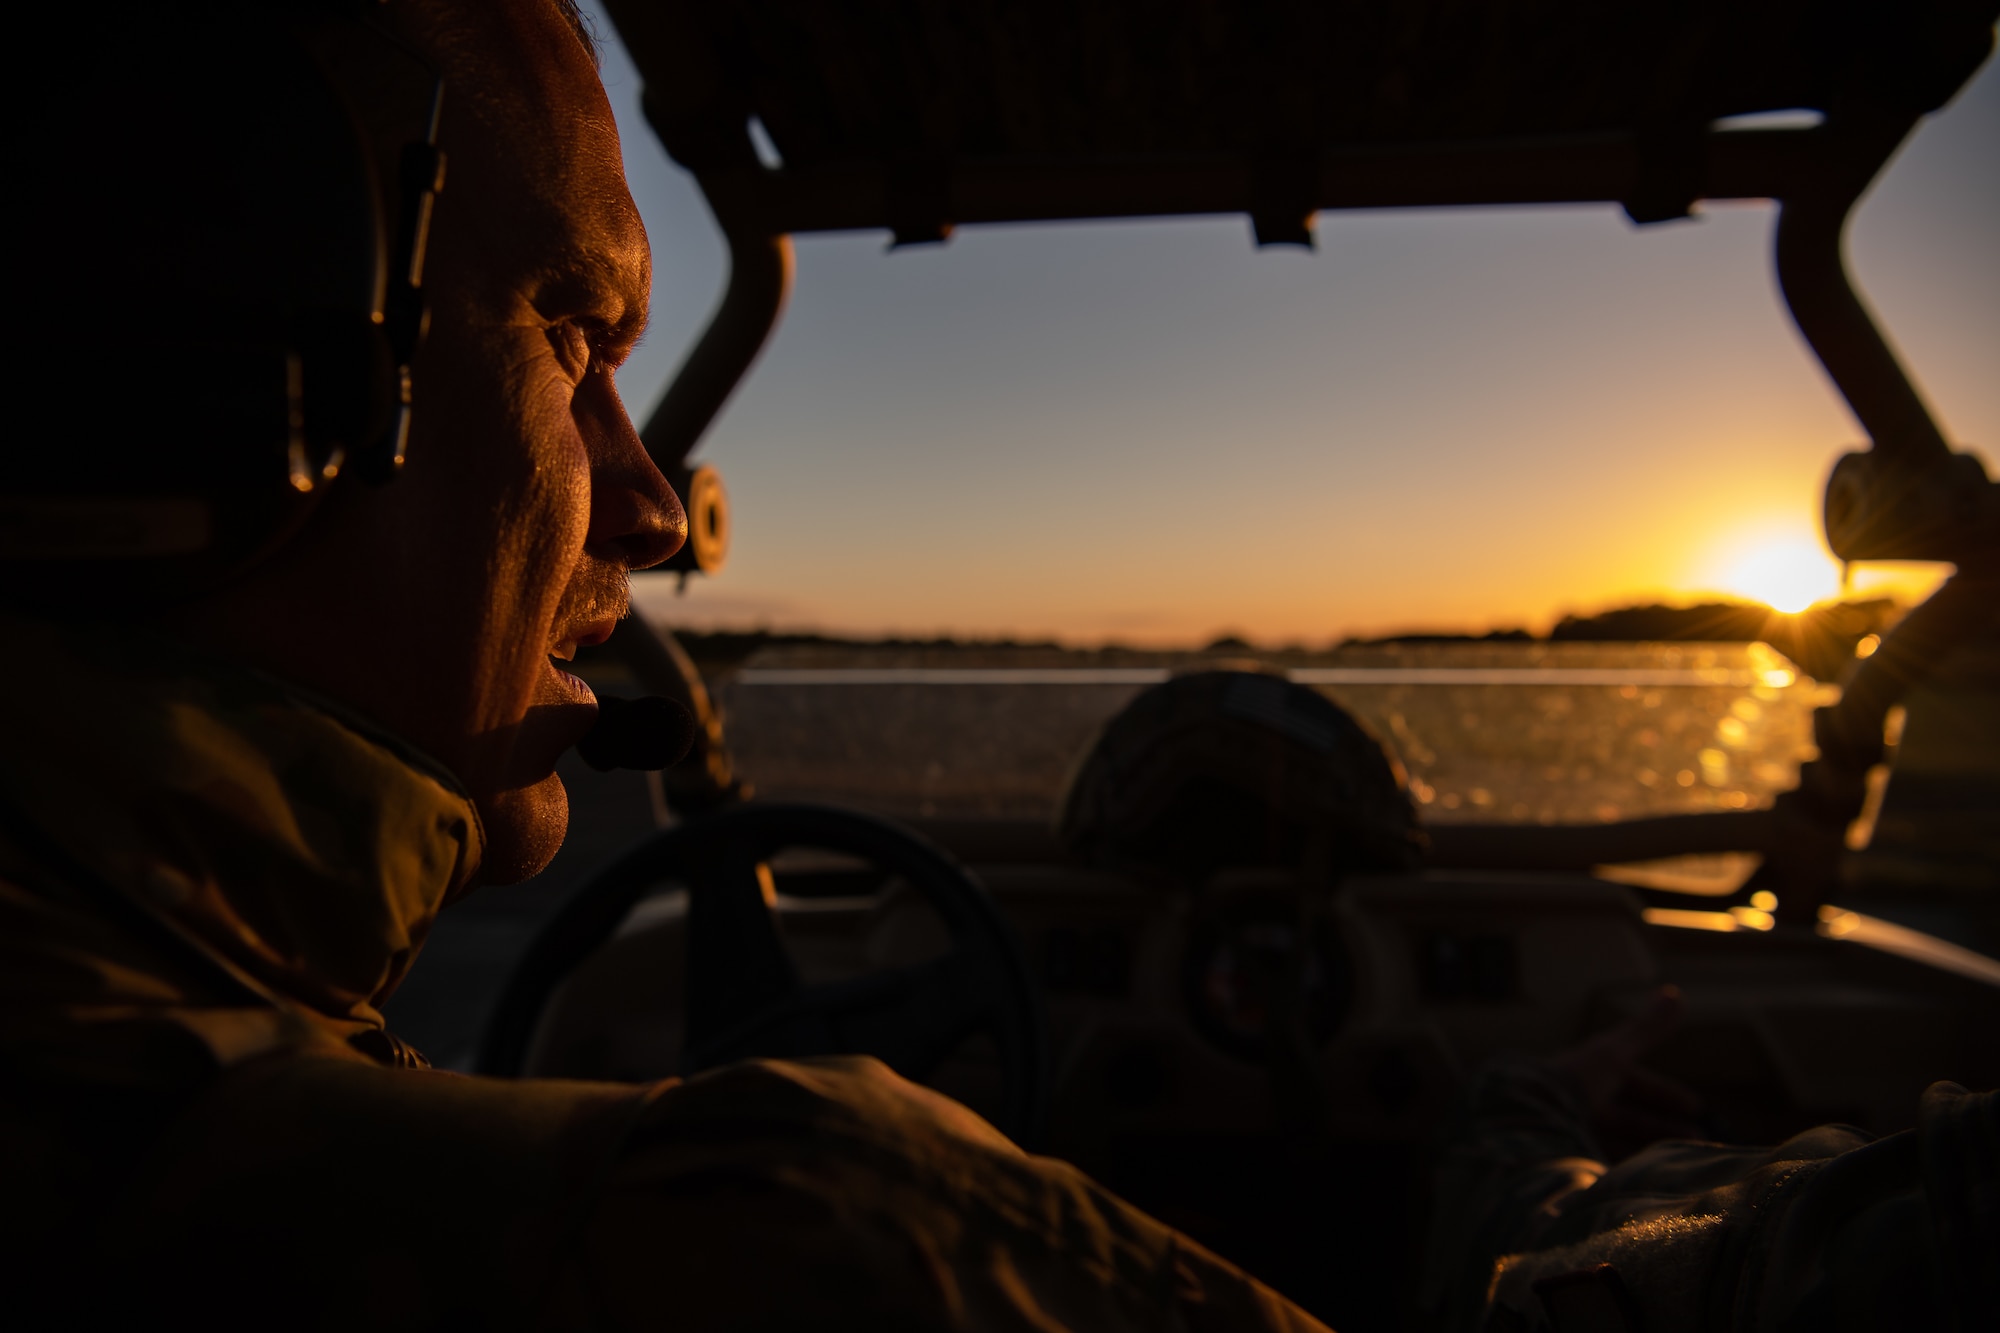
1821 641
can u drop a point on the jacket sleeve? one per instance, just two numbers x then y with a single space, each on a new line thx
1515 1155
833 1194
1826 1230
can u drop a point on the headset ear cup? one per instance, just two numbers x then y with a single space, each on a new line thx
212 251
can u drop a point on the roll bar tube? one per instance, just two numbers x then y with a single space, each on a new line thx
1812 272
760 278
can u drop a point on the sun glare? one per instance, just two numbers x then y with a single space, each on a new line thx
1787 573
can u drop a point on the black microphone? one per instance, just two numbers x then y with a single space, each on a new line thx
637 733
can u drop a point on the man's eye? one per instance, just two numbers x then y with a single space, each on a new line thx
572 350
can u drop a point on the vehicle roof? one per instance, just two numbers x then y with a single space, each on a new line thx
909 115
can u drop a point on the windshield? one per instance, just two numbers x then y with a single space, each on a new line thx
1515 732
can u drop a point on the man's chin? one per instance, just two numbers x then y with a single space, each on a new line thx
524 830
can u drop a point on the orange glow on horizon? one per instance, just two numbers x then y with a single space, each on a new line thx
1784 563
1768 553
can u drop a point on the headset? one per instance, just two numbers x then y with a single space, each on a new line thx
229 209
215 217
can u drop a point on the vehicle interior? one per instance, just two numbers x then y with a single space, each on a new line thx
1264 1054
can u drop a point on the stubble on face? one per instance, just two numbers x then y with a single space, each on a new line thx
432 604
539 251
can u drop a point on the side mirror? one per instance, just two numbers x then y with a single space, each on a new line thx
707 504
1882 506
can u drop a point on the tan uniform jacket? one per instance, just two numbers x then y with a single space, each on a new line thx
209 882
1830 1230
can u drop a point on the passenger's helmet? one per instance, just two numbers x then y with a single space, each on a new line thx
1237 768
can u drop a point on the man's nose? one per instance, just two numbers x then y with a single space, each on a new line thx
644 527
635 517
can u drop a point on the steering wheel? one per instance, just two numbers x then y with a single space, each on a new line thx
744 998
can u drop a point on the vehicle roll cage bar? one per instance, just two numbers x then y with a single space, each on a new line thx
1909 496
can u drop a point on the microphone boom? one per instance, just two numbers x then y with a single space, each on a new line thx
648 733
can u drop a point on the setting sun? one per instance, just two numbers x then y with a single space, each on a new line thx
1787 573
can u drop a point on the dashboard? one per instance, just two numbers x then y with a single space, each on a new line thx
1247 1060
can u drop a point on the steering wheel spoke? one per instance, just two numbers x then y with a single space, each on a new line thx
737 963
743 995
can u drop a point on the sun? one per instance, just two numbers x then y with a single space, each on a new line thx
1787 573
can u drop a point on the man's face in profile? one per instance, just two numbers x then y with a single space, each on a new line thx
435 604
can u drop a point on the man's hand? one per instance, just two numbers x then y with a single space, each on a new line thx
1630 1106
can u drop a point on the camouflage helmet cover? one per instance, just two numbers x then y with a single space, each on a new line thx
1237 768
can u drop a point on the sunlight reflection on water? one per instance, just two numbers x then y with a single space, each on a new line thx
1532 732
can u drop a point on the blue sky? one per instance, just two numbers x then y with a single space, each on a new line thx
1154 432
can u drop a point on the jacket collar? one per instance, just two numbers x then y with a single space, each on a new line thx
303 849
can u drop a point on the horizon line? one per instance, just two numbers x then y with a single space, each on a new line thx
1651 677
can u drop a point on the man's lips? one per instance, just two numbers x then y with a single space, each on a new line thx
573 687
582 636
564 689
